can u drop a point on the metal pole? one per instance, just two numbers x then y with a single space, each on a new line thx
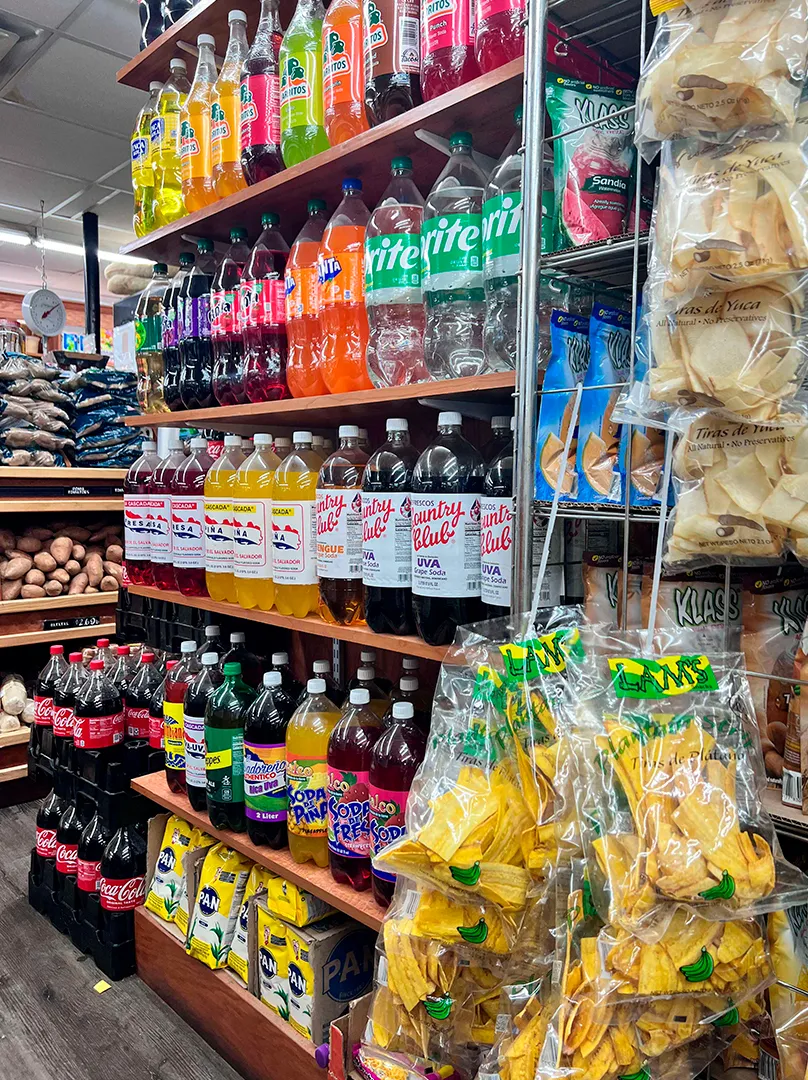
92 286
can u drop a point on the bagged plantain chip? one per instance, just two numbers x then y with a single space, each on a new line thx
788 941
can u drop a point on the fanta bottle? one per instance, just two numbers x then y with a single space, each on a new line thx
340 274
447 58
142 164
307 738
343 76
225 112
252 525
165 147
220 486
162 485
294 524
302 307
225 322
301 58
188 520
197 184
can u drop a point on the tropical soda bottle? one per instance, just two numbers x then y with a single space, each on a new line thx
165 146
340 275
301 59
307 738
302 307
339 530
197 184
343 76
188 520
294 529
252 524
142 164
225 112
220 486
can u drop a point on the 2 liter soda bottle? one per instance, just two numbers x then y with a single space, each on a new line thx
265 797
165 146
496 534
261 99
138 697
294 529
98 711
224 749
138 519
176 686
162 485
301 61
499 32
196 350
199 692
172 324
220 487
263 315
252 527
225 322
141 164
339 530
447 59
225 113
307 775
188 520
502 224
303 332
41 741
392 53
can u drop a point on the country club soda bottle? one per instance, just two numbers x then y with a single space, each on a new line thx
496 534
307 738
197 183
339 530
263 315
392 55
252 526
294 529
265 795
188 520
340 274
138 519
499 32
162 486
165 146
343 75
142 165
177 683
225 322
261 99
224 749
502 228
447 58
301 60
225 112
303 359
220 488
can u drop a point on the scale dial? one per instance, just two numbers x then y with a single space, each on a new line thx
44 313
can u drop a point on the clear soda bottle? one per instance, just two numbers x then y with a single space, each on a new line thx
224 749
452 266
502 232
225 112
149 341
252 527
393 298
499 32
172 323
447 59
142 164
162 550
165 146
307 737
339 530
188 520
196 350
138 518
262 303
496 534
301 60
343 74
265 797
197 183
294 529
392 53
302 307
225 322
220 488
261 99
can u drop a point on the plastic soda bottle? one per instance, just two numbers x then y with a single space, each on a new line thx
188 520
282 446
341 280
294 529
156 719
195 150
307 738
196 350
502 232
393 765
447 483
165 146
395 352
339 530
212 643
303 360
452 266
220 487
138 697
172 320
252 667
41 741
496 534
124 670
262 303
224 749
409 689
301 61
392 53
173 11
321 669
151 23
343 74
98 711
138 520
199 691
225 322
149 341
350 750
252 525
142 164
162 486
291 687
500 438
225 112
265 797
261 99
177 683
365 679
387 533
447 58
499 32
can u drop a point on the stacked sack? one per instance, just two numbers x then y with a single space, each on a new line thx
102 400
35 413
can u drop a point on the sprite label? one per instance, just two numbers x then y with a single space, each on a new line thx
502 230
392 264
301 97
451 252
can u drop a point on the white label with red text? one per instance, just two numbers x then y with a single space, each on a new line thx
387 539
188 532
446 545
160 536
252 556
339 533
496 543
88 875
138 526
122 894
294 543
218 536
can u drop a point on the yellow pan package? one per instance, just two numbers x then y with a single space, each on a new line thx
199 840
238 959
788 941
217 906
164 892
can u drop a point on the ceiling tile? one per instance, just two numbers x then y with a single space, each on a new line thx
44 142
112 23
117 214
48 13
25 187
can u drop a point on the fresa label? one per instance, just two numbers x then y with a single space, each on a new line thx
188 532
339 533
496 544
348 813
138 527
387 539
446 545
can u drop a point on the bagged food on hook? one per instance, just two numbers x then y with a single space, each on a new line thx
787 931
569 360
522 1027
691 609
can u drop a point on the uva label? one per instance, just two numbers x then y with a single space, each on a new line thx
446 545
194 751
387 539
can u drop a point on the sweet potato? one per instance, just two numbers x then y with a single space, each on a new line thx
78 585
30 544
94 568
109 584
95 549
61 575
77 533
73 567
17 568
34 577
7 539
53 588
78 552
12 589
91 589
31 592
44 562
115 553
61 549
114 570
39 533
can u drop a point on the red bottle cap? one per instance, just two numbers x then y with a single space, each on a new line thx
147 657
123 650
103 643
75 657
171 664
57 650
96 665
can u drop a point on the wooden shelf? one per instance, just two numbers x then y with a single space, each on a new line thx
13 772
74 504
46 637
248 1035
14 738
483 106
359 635
62 476
55 604
360 906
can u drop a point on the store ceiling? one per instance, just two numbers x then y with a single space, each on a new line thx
65 130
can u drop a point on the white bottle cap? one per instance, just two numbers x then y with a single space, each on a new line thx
408 682
360 697
237 637
280 658
155 86
148 444
283 440
348 431
449 419
397 424
321 667
317 440
232 440
410 663
316 686
368 656
178 64
302 436
188 647
403 710
198 443
262 440
236 16
210 659
212 631
366 674
272 678
500 421
206 39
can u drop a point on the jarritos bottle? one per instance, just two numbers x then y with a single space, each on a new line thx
339 530
123 873
162 552
261 99
139 695
294 529
156 718
252 527
307 775
265 798
301 62
303 332
98 709
392 51
41 741
176 686
499 32
447 59
496 534
197 696
188 520
138 521
225 112
197 183
224 750
220 487
263 315
343 75
225 322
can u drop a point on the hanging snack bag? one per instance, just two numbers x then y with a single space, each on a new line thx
217 906
643 447
603 590
690 610
238 959
164 892
788 942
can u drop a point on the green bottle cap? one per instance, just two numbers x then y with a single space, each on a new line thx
233 667
401 163
269 219
186 258
517 115
160 268
315 204
460 138
237 234
205 246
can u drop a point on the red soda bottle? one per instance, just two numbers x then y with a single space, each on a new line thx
392 58
225 322
41 743
263 315
303 308
177 682
261 99
99 711
64 700
499 32
123 873
138 519
339 530
156 705
350 750
162 486
138 696
395 760
188 520
103 652
123 670
92 842
47 824
448 47
68 833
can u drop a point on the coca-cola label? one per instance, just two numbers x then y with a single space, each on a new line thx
67 856
447 23
252 556
96 732
64 721
43 710
88 875
188 532
294 543
496 550
137 722
46 843
260 110
218 536
122 894
446 545
156 732
392 40
224 313
138 527
196 317
339 533
387 539
263 303
160 534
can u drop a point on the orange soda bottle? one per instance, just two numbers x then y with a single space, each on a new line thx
225 112
302 307
197 185
343 75
340 275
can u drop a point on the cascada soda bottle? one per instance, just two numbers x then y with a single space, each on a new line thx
265 798
161 487
447 483
138 697
41 743
197 695
225 322
196 349
307 738
172 320
225 112
395 761
197 185
188 520
220 486
261 99
138 520
98 710
395 310
350 749
343 77
499 32
224 749
302 307
392 51
387 533
502 225
496 534
294 529
123 874
262 303
252 527
339 530
447 58
301 63
92 842
177 682
340 275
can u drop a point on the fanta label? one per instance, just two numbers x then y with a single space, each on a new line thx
262 303
496 550
260 110
387 824
342 64
387 539
502 233
446 545
451 252
252 556
122 894
301 90
225 130
188 532
392 265
224 312
160 533
302 292
218 536
447 23
339 534
340 278
294 543
138 526
348 813
195 147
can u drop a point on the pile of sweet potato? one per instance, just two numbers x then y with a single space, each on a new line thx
66 558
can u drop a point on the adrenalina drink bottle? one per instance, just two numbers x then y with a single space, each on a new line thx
294 529
307 775
156 718
123 874
177 682
301 63
225 322
225 112
265 798
138 697
447 58
172 322
161 487
196 350
339 530
392 49
252 667
64 717
94 839
41 742
262 302
197 695
188 520
138 521
343 75
98 709
197 183
261 99
252 527
502 233
220 486
387 533
303 331
224 749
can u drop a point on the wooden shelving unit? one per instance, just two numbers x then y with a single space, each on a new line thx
62 476
59 603
13 754
72 505
39 637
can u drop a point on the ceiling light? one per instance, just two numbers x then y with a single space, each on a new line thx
134 260
65 248
9 237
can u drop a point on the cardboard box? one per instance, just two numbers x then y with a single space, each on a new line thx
345 1033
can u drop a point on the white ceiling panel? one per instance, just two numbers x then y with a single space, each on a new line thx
48 13
117 214
45 142
31 185
111 23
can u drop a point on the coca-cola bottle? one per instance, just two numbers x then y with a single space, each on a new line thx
94 839
47 823
210 678
138 518
138 696
68 833
262 303
124 670
41 742
196 351
387 533
103 652
496 534
156 705
99 711
392 58
225 322
261 99
64 717
339 530
188 520
123 871
447 483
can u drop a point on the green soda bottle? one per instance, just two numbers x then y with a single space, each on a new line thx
224 750
301 64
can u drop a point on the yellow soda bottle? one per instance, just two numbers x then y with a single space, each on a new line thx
197 185
307 738
165 146
225 112
294 525
220 487
252 527
142 165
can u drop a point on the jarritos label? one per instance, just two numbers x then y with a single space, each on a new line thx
341 69
225 133
195 147
260 110
447 23
446 545
307 788
387 823
301 106
122 894
348 813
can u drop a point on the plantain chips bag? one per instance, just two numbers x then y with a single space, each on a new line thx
788 941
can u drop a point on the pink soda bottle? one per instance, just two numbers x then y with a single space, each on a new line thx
225 322
448 47
162 550
188 520
500 32
263 315
137 515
